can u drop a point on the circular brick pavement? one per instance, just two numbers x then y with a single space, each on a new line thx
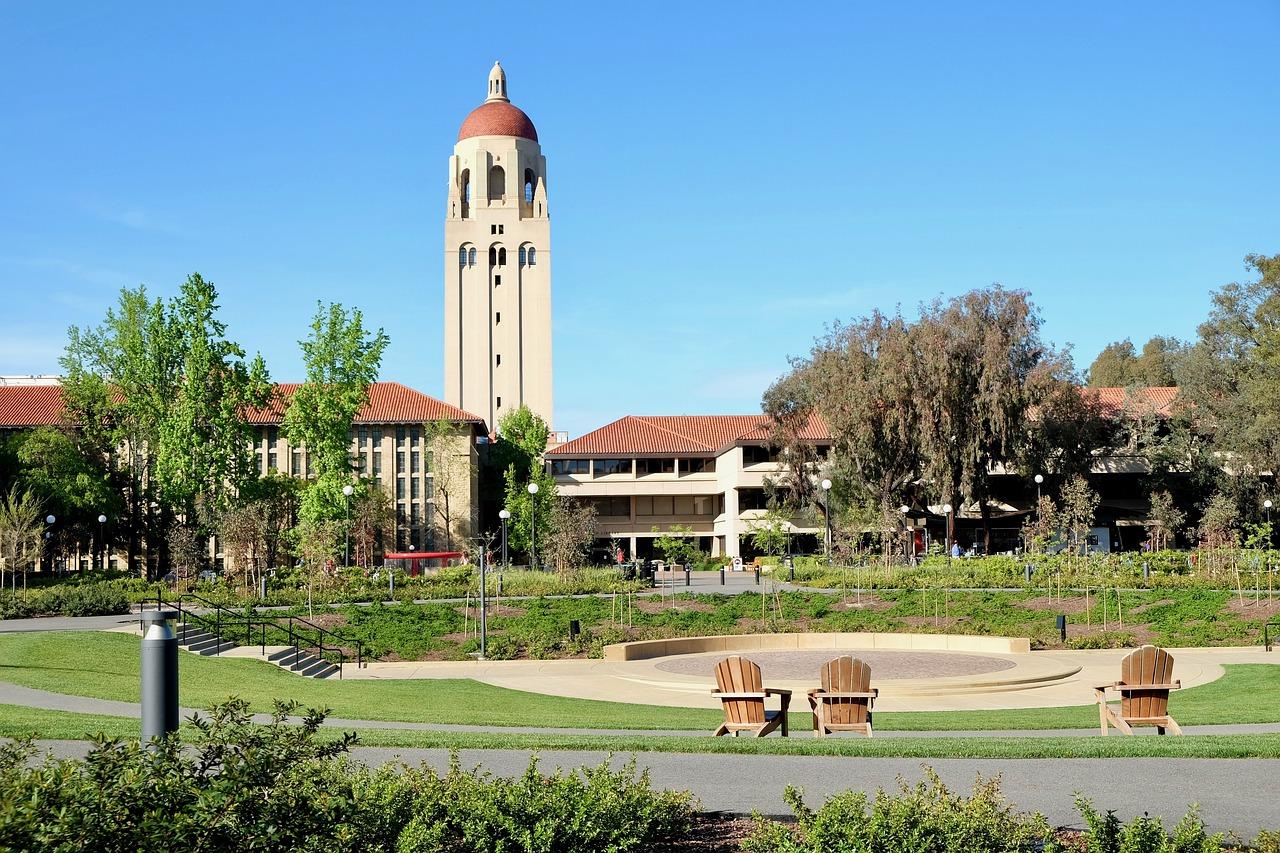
885 665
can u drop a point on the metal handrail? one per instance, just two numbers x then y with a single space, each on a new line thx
296 638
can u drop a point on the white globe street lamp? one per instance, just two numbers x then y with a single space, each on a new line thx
504 514
826 502
533 526
946 509
347 491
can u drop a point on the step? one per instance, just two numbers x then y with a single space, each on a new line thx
193 635
284 656
211 647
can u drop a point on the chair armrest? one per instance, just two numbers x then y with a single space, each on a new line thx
776 691
1129 688
1115 685
720 695
871 695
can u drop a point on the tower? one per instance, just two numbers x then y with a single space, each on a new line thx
497 264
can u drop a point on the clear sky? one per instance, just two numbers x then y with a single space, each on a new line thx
724 180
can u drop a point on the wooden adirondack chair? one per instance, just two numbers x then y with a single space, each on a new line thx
742 694
1144 685
843 702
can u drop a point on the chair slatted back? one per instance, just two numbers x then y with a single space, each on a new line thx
739 675
846 675
1147 665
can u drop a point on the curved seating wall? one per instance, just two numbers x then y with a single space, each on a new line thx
644 649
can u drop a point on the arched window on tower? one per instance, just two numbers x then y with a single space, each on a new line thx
502 257
462 256
464 185
533 256
528 186
497 184
522 256
471 256
493 256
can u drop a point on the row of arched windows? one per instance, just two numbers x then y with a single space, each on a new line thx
497 256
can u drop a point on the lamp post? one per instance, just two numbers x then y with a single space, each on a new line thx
504 515
946 509
347 491
48 538
102 542
904 509
1267 506
1039 478
533 526
826 502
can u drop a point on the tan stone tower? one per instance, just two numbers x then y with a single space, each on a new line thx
497 264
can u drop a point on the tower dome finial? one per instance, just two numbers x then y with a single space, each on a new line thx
497 85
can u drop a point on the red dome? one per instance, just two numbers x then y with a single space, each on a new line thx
497 118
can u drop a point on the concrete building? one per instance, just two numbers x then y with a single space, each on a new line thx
705 472
420 450
497 263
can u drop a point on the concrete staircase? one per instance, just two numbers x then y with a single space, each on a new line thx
304 663
195 639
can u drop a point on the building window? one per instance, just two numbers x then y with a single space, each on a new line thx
499 359
471 257
400 488
493 256
497 281
497 318
502 257
752 499
415 515
755 454
295 465
399 436
655 466
612 507
655 505
528 186
462 256
311 465
570 466
493 229
271 459
415 488
431 489
604 467
415 462
377 463
697 466
501 228
497 184
499 402
533 256
523 257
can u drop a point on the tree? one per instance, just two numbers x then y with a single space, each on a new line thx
572 530
1232 374
342 360
450 476
1219 523
677 545
373 522
318 545
21 533
1079 505
188 550
521 443
161 384
527 509
1119 365
1164 520
1040 530
771 533
1114 367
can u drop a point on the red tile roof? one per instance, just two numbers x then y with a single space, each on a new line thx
497 118
30 405
660 435
389 403
1159 399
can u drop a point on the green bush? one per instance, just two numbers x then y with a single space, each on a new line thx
925 818
584 812
103 598
248 787
1103 640
1145 834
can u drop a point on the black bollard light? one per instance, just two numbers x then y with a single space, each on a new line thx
159 674
688 576
575 628
1061 620
757 576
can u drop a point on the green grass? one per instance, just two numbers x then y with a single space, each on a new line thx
106 666
17 721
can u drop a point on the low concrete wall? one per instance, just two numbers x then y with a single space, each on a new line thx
644 649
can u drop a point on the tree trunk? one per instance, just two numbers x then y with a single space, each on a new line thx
985 509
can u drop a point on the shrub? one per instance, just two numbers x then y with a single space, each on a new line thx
920 819
1144 834
1102 640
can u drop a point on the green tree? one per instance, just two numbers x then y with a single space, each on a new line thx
677 545
450 476
1165 519
373 522
522 441
21 533
572 529
342 360
527 510
771 533
1119 365
1115 367
1079 506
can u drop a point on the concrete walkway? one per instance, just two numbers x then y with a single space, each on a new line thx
1234 794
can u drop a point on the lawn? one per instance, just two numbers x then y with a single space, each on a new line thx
106 666
16 721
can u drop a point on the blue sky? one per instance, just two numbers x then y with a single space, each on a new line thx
723 181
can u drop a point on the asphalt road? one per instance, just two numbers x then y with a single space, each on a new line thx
1235 795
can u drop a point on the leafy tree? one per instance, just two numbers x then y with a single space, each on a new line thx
521 443
677 545
1114 367
1079 506
771 533
1040 530
161 384
450 476
572 530
342 360
1219 523
1165 520
523 505
188 550
1232 374
1119 365
21 533
373 522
